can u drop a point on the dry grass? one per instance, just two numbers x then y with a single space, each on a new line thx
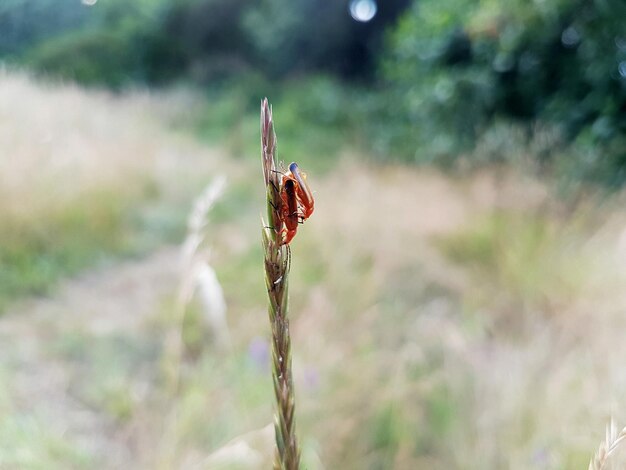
415 279
81 173
277 258
61 142
608 447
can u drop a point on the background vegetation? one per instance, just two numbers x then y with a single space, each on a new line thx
457 297
433 78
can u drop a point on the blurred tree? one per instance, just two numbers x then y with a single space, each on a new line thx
27 22
113 43
278 37
156 40
210 35
455 64
313 35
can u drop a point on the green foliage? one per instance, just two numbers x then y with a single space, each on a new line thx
87 57
299 35
27 22
113 362
28 442
529 257
213 43
115 43
315 122
387 430
36 252
206 40
32 257
455 64
278 37
252 391
316 118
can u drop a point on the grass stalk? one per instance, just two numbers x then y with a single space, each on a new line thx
277 263
607 447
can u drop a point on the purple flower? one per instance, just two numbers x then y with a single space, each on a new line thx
259 353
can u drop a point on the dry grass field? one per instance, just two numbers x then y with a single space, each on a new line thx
439 320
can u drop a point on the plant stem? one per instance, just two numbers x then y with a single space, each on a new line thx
277 262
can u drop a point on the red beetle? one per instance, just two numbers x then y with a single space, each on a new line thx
297 203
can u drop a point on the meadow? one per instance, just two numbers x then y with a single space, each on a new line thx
460 319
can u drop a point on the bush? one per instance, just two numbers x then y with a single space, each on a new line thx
455 64
111 43
25 23
89 58
115 59
158 40
312 36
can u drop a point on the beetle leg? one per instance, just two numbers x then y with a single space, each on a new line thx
274 186
270 227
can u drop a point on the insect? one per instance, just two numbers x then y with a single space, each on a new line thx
305 197
297 203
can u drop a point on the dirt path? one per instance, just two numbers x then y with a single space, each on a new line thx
80 370
74 362
71 362
41 343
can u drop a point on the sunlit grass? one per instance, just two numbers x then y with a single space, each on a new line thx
397 360
536 258
27 443
314 121
37 249
81 185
